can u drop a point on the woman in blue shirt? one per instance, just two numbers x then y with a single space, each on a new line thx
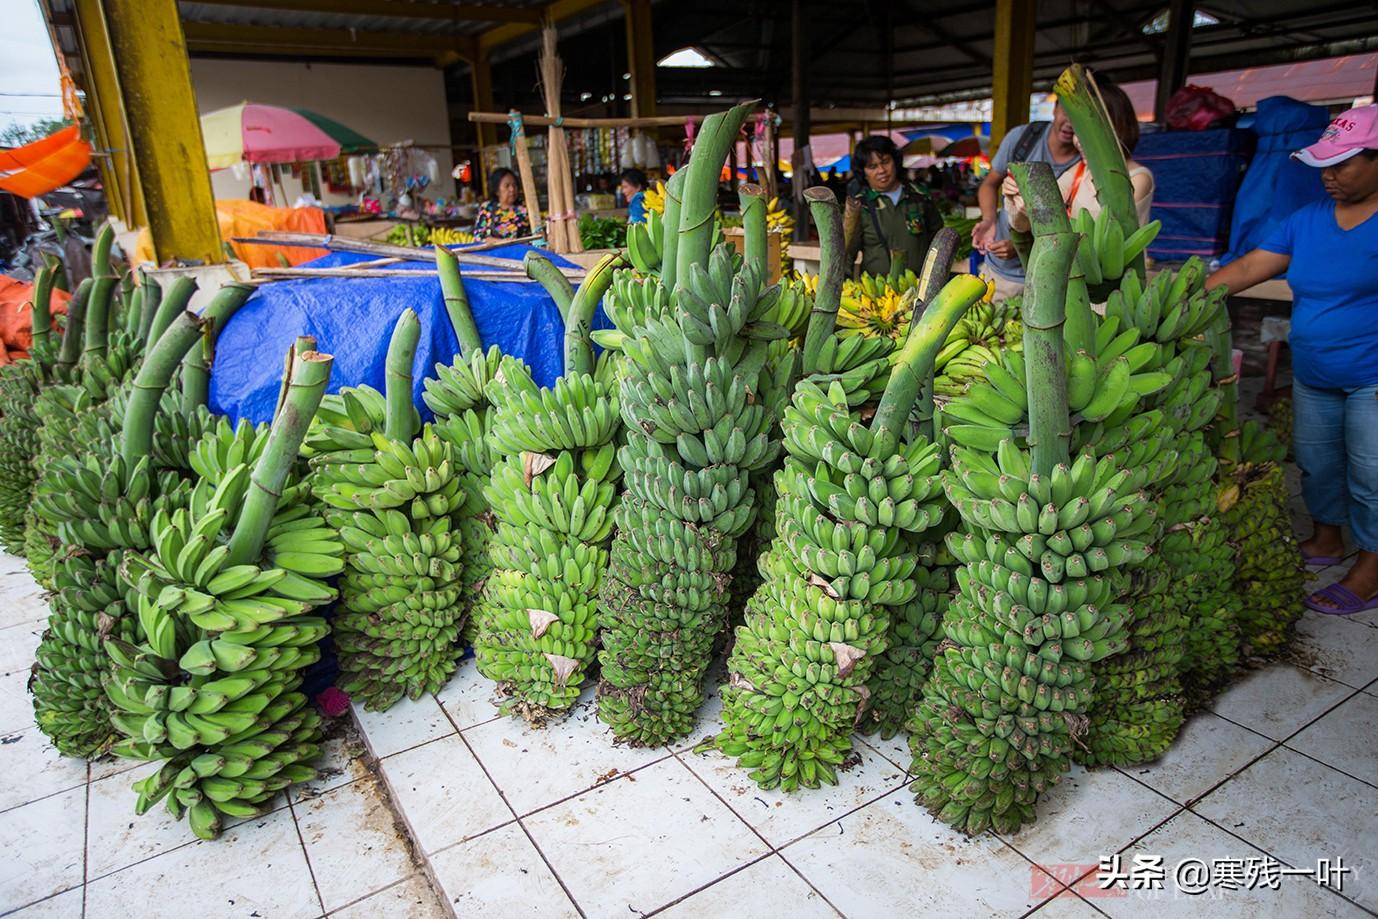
1329 252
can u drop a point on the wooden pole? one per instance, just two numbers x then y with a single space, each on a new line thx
481 82
800 82
1016 23
1176 54
641 57
528 177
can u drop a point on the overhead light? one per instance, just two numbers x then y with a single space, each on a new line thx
584 97
1158 24
626 97
626 76
686 57
715 92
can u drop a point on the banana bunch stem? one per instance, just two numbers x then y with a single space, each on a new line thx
168 307
753 202
153 377
579 321
150 294
1221 340
674 207
196 366
69 353
42 310
457 301
102 295
1045 304
832 268
700 202
937 266
399 423
1081 101
543 271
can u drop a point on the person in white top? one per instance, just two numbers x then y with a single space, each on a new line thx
1078 188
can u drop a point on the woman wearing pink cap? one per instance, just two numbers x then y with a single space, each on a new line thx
1329 252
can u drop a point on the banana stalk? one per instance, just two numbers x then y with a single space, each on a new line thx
699 205
457 301
98 308
579 321
169 306
69 353
542 270
153 377
752 199
832 269
42 319
674 208
196 366
150 294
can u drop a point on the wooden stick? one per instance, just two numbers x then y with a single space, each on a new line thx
528 177
477 247
545 121
285 273
382 250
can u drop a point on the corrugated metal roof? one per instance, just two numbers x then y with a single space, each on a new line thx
308 19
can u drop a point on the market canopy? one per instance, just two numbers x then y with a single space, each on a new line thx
254 133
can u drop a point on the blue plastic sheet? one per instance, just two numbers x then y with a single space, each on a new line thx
352 318
1276 185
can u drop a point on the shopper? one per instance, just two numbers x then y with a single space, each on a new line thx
895 214
1329 253
1036 142
502 216
633 188
1077 185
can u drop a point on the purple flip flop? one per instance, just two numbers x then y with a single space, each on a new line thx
1346 601
1321 561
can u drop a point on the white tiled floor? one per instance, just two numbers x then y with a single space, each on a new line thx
506 821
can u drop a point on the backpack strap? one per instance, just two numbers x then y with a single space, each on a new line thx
1033 133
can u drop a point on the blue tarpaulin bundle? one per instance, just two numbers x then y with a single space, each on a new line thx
1195 175
352 318
1276 185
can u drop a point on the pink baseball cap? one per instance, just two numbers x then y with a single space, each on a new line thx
1348 135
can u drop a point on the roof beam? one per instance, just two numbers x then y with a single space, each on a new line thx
552 13
449 12
273 40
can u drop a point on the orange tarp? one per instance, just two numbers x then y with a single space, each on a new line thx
45 164
247 218
16 316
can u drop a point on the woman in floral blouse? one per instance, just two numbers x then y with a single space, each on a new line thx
502 216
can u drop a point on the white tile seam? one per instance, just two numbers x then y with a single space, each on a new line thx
45 899
86 842
702 887
306 854
1329 766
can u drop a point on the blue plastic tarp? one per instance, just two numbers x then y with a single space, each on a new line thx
1276 185
352 318
1195 177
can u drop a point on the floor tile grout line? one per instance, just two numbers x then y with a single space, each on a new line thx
1330 766
702 887
43 899
420 872
1066 888
1274 744
521 826
1248 842
306 854
617 778
812 886
86 841
770 848
51 794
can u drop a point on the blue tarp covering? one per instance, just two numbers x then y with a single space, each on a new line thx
352 319
1195 175
1275 184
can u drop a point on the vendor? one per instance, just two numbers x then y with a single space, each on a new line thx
633 188
895 214
502 216
1329 252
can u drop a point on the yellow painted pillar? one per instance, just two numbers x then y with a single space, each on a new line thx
1015 27
159 104
481 80
641 57
102 86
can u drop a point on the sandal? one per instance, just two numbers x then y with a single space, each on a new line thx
1321 561
1346 601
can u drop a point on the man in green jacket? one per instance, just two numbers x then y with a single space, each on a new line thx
895 214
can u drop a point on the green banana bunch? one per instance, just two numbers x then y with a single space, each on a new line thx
1105 252
646 244
459 395
977 340
552 493
695 432
209 687
1038 603
392 498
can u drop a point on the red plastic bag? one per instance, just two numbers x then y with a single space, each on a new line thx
1195 108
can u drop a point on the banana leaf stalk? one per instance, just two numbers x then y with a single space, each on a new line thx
153 377
753 203
543 271
579 320
832 268
196 366
400 422
310 374
1045 304
457 301
1081 101
69 352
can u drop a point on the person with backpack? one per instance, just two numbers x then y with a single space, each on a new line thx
895 213
1036 142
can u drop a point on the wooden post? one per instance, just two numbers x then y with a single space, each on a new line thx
530 193
641 57
800 81
1176 53
481 82
150 56
1016 23
105 106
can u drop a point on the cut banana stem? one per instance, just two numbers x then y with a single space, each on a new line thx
400 423
832 268
674 207
457 301
542 270
153 377
753 203
579 320
69 353
699 204
173 303
42 322
196 366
